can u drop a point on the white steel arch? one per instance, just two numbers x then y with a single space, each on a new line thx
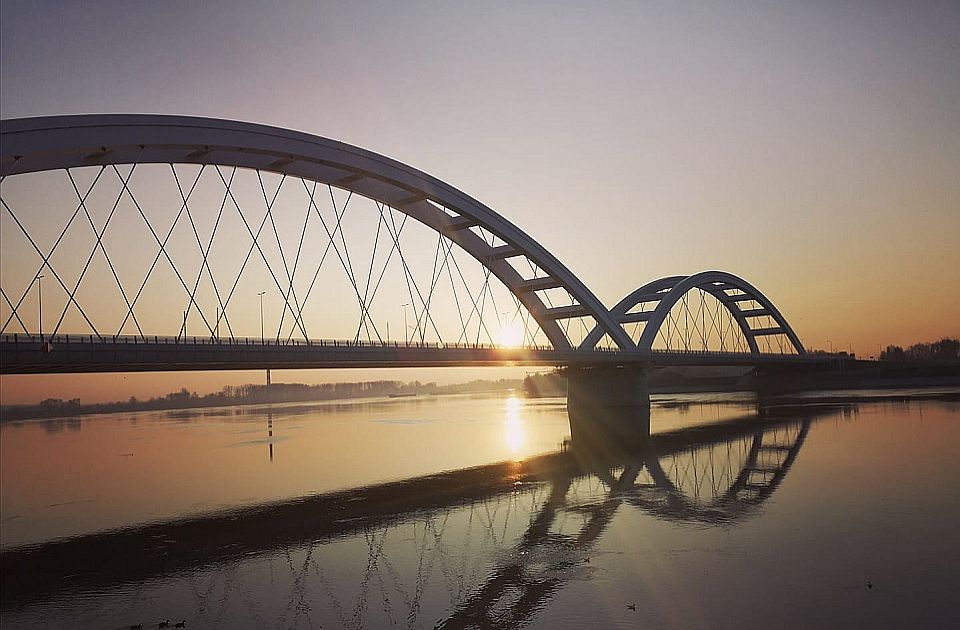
62 142
666 292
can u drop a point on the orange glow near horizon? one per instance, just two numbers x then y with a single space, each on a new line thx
99 388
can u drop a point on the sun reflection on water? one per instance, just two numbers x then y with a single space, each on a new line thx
516 434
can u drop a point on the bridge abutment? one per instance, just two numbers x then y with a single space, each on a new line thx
608 407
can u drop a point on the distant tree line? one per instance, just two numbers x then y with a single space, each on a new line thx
944 351
251 394
546 384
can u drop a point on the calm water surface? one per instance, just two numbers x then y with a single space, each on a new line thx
471 512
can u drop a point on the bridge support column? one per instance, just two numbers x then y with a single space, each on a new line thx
608 407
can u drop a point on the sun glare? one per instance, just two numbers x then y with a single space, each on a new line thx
510 335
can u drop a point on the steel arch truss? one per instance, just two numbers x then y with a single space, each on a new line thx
45 144
755 316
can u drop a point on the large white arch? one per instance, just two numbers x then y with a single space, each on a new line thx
48 143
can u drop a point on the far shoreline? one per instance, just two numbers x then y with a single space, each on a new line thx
892 390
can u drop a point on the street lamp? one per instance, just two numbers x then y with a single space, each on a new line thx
261 316
39 306
406 338
831 346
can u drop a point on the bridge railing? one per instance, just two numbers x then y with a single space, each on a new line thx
63 339
72 340
716 353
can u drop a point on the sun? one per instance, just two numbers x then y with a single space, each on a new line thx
510 335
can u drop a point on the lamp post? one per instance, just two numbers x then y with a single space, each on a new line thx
406 338
39 306
261 316
831 346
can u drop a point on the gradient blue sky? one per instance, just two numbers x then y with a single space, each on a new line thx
810 147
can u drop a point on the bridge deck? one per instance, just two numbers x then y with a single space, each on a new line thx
21 354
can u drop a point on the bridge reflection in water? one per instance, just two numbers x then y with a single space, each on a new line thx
480 547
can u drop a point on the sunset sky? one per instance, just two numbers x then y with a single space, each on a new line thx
812 148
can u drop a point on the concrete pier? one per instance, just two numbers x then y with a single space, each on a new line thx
608 407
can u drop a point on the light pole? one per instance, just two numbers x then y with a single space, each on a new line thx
831 346
406 339
39 305
261 316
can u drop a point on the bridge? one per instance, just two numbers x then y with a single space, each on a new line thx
148 242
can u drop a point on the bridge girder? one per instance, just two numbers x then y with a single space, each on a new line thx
61 142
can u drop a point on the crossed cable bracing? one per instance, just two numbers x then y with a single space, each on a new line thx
293 280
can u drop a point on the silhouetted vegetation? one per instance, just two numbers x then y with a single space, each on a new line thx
252 394
944 351
548 384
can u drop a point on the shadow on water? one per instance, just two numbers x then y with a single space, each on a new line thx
752 453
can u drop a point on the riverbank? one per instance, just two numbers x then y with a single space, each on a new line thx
857 375
276 393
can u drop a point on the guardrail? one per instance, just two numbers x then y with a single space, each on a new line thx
249 341
67 339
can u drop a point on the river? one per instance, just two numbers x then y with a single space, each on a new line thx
476 511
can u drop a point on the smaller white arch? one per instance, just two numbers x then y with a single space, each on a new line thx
666 292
